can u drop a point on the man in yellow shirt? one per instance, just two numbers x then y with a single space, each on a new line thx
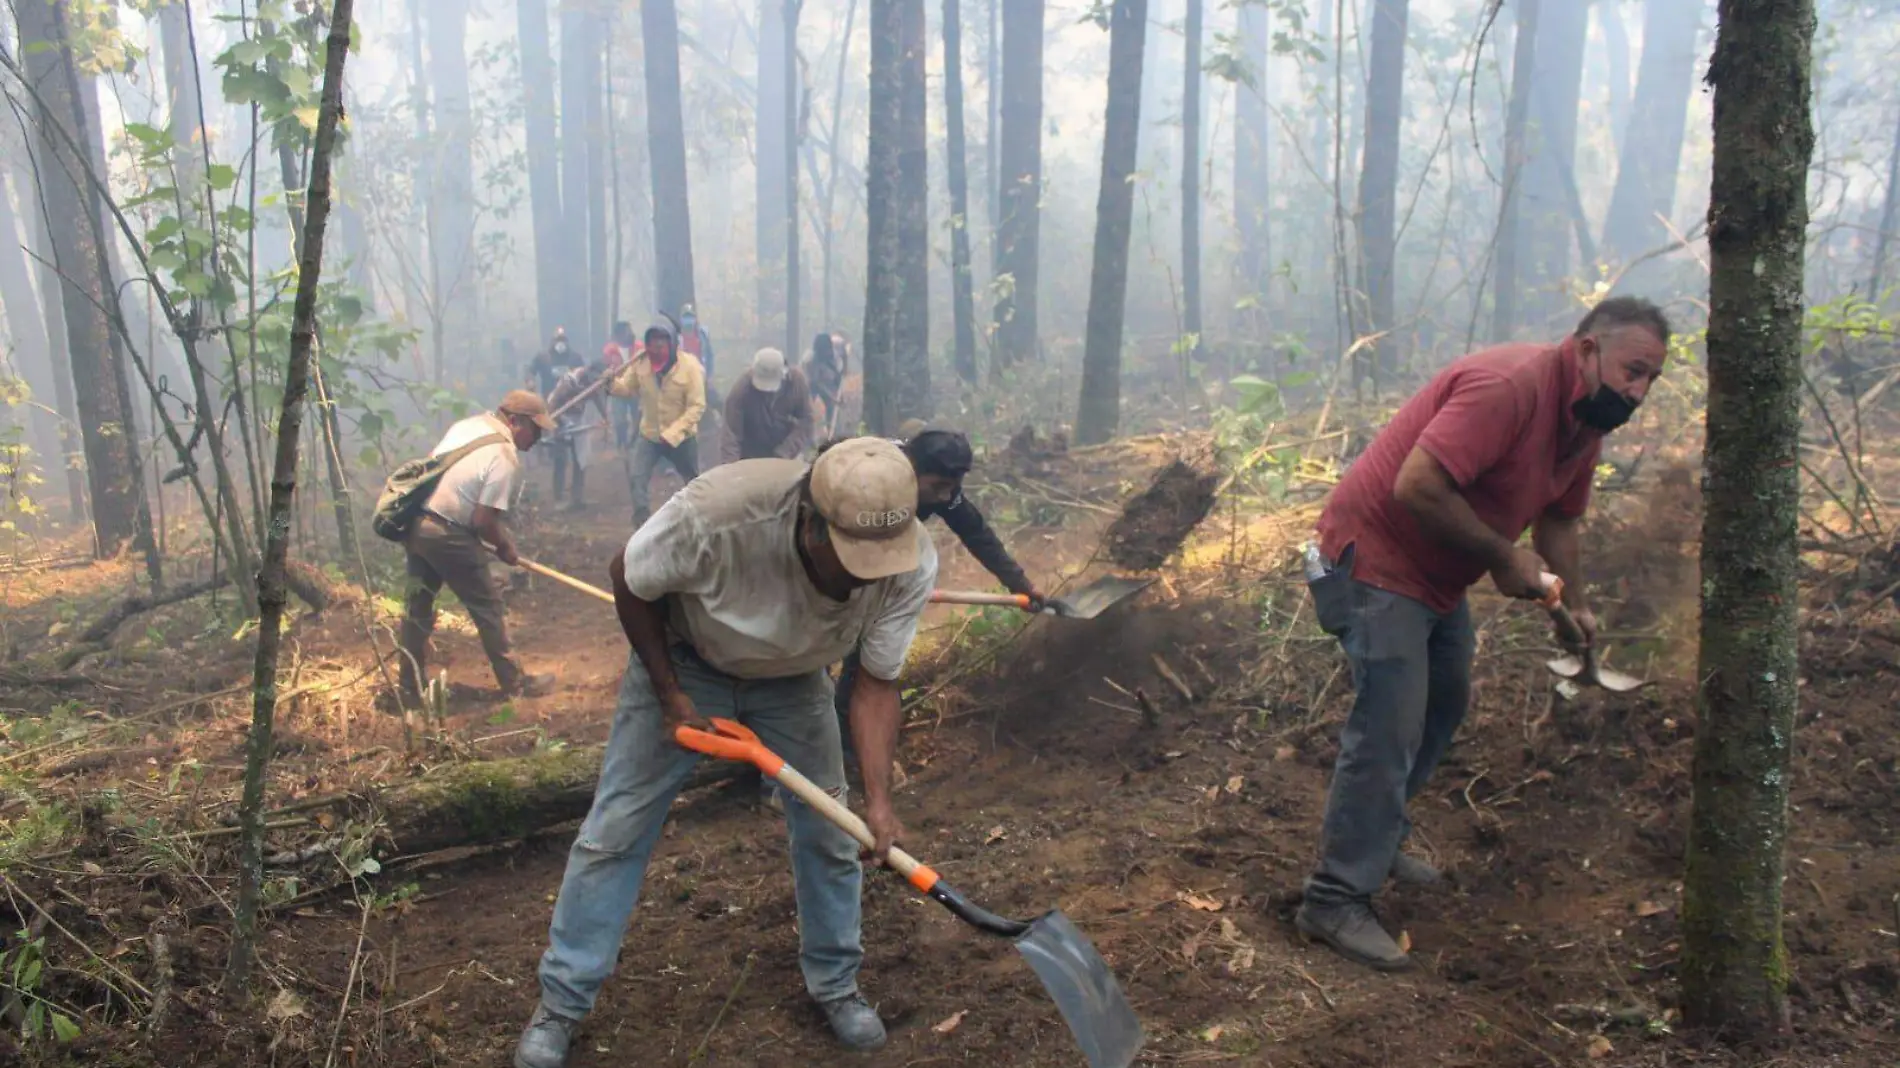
671 388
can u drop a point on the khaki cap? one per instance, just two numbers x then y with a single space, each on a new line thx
867 492
529 403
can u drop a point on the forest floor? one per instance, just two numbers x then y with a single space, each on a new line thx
1028 779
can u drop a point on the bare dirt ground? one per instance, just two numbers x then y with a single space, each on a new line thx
1030 781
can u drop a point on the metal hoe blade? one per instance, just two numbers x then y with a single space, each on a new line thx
1098 596
1091 1001
1586 670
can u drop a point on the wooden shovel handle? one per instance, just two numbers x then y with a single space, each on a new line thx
730 740
565 580
1553 602
1004 600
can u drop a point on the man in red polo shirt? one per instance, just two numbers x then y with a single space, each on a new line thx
1501 441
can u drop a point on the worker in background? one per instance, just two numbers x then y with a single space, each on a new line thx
577 428
445 547
671 388
735 598
551 363
1501 441
621 349
824 371
940 459
768 412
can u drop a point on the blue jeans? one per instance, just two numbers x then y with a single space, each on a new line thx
1411 675
647 455
641 775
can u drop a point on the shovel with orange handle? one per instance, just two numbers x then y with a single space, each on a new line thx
1086 603
1076 976
1582 667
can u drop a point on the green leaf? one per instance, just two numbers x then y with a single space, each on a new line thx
369 424
29 978
1255 394
150 136
162 230
166 259
347 310
247 52
248 85
196 283
221 175
64 1028
35 1017
306 117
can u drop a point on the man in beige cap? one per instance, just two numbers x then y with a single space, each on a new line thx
445 545
736 596
768 412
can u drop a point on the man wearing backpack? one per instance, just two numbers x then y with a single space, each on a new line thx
444 546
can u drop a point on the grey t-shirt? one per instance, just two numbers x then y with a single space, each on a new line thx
724 548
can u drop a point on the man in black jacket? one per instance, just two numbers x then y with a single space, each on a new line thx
941 458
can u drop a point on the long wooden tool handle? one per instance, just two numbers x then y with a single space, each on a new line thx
1567 627
565 580
598 385
915 871
1005 600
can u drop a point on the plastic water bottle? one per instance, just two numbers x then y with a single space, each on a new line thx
1315 564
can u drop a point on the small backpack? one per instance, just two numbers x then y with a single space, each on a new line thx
408 487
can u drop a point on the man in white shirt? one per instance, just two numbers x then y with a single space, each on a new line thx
445 545
736 596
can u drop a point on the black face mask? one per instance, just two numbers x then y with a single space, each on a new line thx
1605 410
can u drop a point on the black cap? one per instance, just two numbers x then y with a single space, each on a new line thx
945 453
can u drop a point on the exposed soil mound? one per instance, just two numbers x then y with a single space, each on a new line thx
1155 522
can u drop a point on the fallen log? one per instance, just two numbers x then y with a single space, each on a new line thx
308 583
487 801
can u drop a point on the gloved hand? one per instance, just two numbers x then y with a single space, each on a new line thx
1037 602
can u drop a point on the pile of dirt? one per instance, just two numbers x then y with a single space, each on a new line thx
1155 522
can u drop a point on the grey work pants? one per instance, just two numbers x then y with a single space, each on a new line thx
441 554
647 455
1411 675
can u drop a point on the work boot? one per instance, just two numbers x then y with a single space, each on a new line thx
1352 930
1412 871
853 1020
545 1042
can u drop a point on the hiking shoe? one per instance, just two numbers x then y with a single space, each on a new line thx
1353 931
533 686
545 1041
1412 871
853 1020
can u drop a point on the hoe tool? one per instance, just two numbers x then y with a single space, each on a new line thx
1582 668
1076 976
1086 603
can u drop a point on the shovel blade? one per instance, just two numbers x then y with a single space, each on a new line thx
1078 979
1099 596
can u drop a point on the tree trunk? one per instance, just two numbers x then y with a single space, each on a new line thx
544 163
271 590
883 289
770 172
110 440
831 226
1616 40
599 225
796 103
1098 414
1379 181
33 351
1889 218
1019 234
1545 227
452 189
1734 967
1508 243
992 124
913 218
666 135
1253 133
580 66
1646 177
1191 178
962 297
